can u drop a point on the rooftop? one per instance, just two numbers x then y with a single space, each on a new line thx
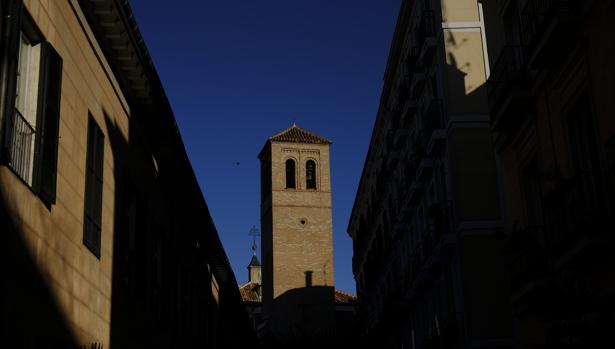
344 298
254 262
251 293
296 134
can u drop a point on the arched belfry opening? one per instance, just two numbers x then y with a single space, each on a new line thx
310 174
291 181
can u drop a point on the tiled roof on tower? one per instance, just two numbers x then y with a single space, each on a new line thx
296 134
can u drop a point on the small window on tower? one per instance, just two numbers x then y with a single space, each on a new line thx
310 174
308 278
290 174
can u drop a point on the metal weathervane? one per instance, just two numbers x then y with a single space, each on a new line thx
254 232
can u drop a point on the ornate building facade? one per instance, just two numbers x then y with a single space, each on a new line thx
425 223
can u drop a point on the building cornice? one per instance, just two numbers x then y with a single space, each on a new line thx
118 35
389 73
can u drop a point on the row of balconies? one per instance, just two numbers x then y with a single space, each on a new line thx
545 35
408 136
415 169
576 225
420 266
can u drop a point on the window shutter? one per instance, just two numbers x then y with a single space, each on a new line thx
92 221
11 24
48 124
88 221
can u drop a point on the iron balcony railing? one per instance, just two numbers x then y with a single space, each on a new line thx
434 117
21 147
411 61
427 27
92 346
403 94
507 70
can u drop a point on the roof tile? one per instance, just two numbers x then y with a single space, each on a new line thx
344 298
296 134
250 292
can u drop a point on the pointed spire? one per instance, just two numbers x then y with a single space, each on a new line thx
254 232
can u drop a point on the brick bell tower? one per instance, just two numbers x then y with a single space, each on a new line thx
296 216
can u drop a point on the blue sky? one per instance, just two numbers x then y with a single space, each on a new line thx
237 72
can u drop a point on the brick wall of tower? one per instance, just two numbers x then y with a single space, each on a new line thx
299 234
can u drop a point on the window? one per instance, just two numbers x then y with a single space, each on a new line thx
310 174
290 174
93 188
308 278
32 112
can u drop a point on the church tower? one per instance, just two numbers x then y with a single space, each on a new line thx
296 218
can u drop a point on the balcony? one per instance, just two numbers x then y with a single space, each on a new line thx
435 124
409 177
427 35
402 96
547 27
392 158
414 193
390 141
408 113
401 135
419 79
508 88
412 60
425 169
21 147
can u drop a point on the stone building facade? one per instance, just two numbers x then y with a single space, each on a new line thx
105 236
297 228
296 220
426 219
297 304
553 125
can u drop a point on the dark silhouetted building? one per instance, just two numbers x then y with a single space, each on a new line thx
553 126
426 218
105 236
